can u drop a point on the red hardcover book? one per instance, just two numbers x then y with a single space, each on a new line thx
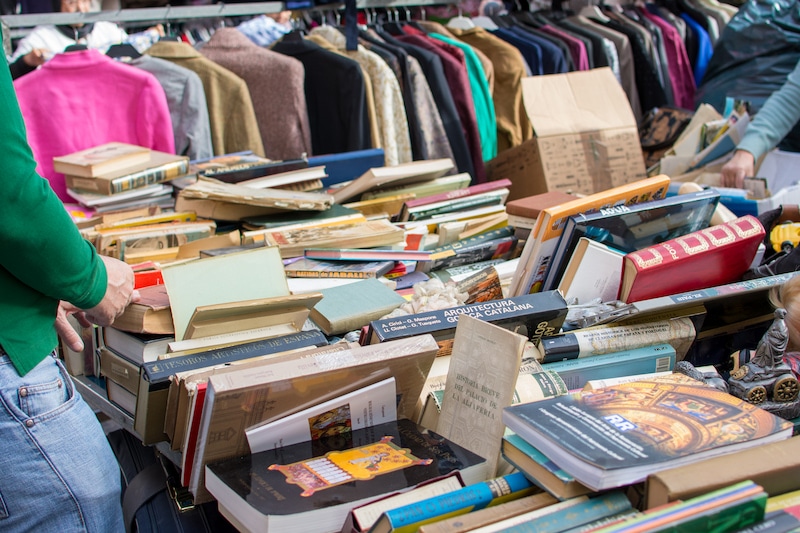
712 256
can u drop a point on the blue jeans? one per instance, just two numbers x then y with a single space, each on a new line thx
57 470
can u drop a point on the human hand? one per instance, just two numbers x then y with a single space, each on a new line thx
119 293
65 330
740 166
35 57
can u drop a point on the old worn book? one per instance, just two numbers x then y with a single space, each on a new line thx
206 188
151 314
314 485
621 434
352 306
632 227
370 234
236 277
238 400
713 256
542 242
154 242
221 210
592 272
388 206
139 347
335 215
539 469
160 167
427 211
312 268
530 315
382 176
154 379
433 199
470 498
477 389
271 173
421 188
679 332
775 466
366 254
363 407
101 159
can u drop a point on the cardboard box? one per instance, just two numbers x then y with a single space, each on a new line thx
585 137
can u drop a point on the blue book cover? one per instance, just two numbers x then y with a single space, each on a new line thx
632 227
645 360
409 518
347 166
601 506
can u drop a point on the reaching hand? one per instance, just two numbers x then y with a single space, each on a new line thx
65 330
740 166
119 293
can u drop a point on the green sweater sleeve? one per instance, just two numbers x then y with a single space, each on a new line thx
44 259
775 119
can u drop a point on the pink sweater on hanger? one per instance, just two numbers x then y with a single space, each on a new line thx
82 99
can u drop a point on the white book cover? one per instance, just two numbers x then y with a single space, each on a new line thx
593 271
364 407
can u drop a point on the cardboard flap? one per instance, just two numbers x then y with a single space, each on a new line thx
576 102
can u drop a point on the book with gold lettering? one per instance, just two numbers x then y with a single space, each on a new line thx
705 258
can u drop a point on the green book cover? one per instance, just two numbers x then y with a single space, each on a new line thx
351 306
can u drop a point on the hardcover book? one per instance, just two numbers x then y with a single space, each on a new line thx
139 347
593 272
101 159
241 398
619 435
522 212
370 234
150 314
312 268
352 306
317 483
532 316
632 227
713 256
381 176
159 167
542 242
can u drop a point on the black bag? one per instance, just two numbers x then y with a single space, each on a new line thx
152 499
660 129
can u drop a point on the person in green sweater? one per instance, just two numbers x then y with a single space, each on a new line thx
57 470
770 125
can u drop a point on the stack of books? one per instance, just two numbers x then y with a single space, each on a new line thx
117 175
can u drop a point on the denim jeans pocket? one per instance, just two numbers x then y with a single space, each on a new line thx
41 393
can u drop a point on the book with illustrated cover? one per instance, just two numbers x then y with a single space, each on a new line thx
366 406
497 244
101 159
543 239
317 483
242 398
712 256
632 227
620 434
159 167
372 233
236 168
312 268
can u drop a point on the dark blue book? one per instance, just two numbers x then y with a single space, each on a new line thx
633 227
347 165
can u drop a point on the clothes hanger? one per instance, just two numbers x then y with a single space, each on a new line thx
460 22
593 11
123 51
76 48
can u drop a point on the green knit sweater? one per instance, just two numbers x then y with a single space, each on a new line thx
43 258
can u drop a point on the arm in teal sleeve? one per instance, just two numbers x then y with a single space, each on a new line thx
775 119
41 245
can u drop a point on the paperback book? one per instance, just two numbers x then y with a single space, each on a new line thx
312 268
618 435
317 483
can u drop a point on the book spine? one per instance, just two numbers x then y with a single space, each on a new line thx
149 176
535 314
329 274
160 371
679 332
459 193
596 508
456 205
408 518
577 372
